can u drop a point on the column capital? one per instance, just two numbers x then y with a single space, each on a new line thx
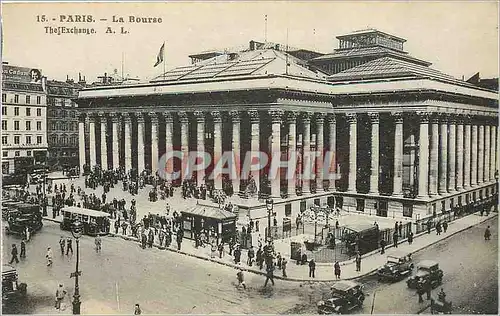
235 116
168 117
444 118
101 115
254 116
115 117
352 117
331 118
374 117
127 117
306 117
200 116
217 117
154 117
291 117
183 116
397 116
140 117
82 117
319 117
276 115
424 116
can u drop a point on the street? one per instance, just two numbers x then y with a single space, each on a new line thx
470 266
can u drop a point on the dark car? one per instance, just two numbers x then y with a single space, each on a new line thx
428 271
11 289
25 215
398 266
346 296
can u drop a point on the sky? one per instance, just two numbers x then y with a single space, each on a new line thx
459 38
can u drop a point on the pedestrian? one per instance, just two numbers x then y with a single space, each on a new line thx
445 227
23 250
279 260
69 246
62 243
336 268
428 288
213 249
395 239
180 235
97 242
151 238
13 252
400 229
358 261
429 224
250 254
283 266
420 291
28 234
60 295
117 226
137 310
269 274
410 237
382 246
438 228
312 268
237 254
221 249
49 256
241 279
487 233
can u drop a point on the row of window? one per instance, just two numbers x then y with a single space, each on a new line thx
27 98
17 140
65 126
5 126
60 113
17 111
17 153
60 102
63 140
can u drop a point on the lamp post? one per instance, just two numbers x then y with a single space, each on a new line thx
269 206
76 231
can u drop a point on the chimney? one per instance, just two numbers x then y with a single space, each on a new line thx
105 79
79 76
252 45
277 47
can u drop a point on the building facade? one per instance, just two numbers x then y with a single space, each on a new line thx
406 140
62 123
24 114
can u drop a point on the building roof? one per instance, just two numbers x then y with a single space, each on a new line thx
370 51
344 285
370 31
85 211
210 212
388 67
229 65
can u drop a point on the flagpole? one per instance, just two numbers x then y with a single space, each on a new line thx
164 60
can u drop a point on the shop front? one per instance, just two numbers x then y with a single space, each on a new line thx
208 220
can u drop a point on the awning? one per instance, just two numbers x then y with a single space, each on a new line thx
210 212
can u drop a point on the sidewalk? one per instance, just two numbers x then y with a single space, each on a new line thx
324 271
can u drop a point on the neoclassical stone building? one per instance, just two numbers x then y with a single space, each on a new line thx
408 140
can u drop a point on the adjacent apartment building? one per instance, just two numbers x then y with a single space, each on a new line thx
24 112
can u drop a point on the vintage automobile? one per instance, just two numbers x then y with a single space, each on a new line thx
12 291
346 296
398 266
25 215
428 271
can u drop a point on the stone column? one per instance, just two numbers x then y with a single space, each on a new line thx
486 153
104 147
375 153
460 154
423 155
216 115
235 146
398 154
116 141
169 147
452 156
443 170
200 143
333 150
473 168
493 151
276 119
140 142
81 141
292 150
351 117
434 157
128 141
480 154
255 142
183 118
155 131
92 141
467 155
306 154
320 149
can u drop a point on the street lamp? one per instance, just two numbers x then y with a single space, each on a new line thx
77 231
269 206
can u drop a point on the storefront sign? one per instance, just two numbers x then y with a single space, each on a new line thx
21 74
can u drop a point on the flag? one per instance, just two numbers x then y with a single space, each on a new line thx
159 58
